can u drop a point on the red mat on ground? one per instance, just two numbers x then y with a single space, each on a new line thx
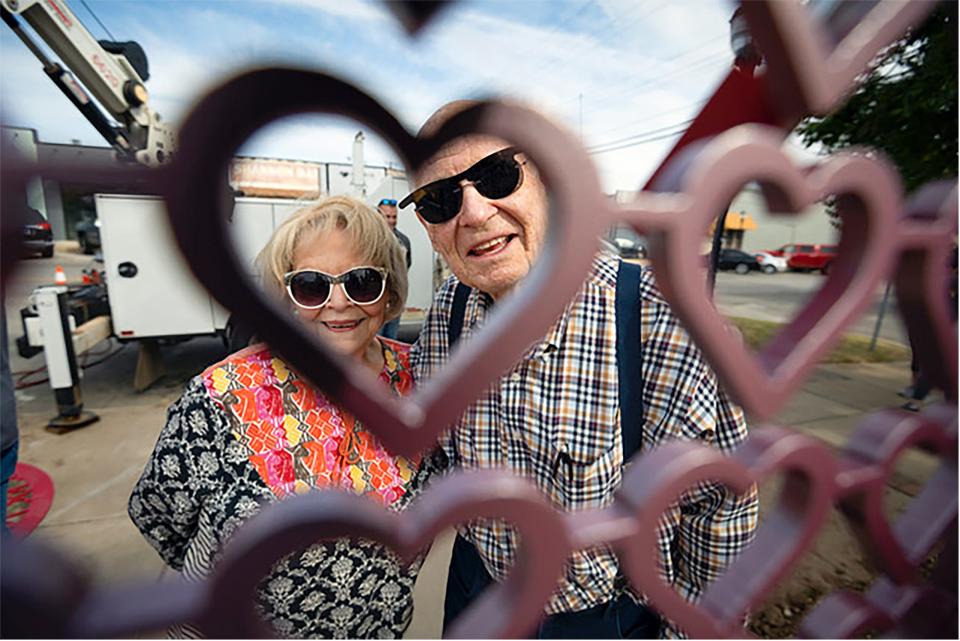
29 496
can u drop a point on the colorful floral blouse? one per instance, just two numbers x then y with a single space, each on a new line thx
249 431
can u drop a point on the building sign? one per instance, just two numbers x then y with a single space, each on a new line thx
276 178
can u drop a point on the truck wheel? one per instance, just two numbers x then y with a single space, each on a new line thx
826 268
47 253
235 335
742 268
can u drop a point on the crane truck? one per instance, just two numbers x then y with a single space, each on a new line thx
147 293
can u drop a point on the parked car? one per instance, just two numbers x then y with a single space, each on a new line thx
88 235
771 264
626 243
808 257
738 261
37 235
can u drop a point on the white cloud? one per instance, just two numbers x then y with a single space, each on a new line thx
626 68
352 9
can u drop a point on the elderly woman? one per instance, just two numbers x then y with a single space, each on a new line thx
249 431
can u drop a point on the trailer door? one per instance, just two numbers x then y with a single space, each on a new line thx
151 290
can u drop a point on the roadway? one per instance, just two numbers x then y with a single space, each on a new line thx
773 297
778 297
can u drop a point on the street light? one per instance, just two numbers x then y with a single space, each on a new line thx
746 58
746 55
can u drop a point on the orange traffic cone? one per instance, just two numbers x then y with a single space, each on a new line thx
60 276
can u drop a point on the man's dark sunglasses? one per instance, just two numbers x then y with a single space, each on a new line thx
496 176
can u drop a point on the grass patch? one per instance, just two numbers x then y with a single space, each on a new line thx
852 348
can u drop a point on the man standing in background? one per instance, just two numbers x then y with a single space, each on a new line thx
388 209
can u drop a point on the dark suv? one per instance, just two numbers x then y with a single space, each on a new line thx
37 235
88 235
738 261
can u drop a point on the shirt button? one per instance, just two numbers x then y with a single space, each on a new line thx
515 377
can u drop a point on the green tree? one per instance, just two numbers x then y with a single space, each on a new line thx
906 107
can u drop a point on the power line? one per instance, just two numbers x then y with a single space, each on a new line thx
679 132
654 116
102 26
643 134
625 90
680 68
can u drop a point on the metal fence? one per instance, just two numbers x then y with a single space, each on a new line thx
812 64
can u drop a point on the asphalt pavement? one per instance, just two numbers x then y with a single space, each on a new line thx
778 297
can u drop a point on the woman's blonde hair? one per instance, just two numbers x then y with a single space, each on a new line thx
373 239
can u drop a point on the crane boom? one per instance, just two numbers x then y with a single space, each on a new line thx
114 73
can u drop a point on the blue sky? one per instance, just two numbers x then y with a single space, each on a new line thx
640 65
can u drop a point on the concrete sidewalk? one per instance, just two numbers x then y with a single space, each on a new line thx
94 468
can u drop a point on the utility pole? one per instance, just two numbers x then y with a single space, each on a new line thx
581 119
358 181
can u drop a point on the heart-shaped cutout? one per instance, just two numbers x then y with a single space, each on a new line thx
899 549
871 454
506 610
654 483
705 178
812 64
414 16
195 194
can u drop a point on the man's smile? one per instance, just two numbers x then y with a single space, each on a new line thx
491 247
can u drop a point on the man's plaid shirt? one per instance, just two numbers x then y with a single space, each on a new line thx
554 419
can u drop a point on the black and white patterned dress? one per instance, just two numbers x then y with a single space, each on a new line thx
199 486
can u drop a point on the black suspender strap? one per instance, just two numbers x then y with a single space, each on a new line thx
628 358
628 350
457 312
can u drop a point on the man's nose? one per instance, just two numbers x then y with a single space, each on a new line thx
476 208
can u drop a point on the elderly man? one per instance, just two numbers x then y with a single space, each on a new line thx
388 209
555 418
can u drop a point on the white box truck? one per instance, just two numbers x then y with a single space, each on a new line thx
151 290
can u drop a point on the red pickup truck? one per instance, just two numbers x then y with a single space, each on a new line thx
808 257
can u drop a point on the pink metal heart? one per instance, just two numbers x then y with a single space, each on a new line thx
209 139
872 452
813 64
660 478
897 550
509 609
704 181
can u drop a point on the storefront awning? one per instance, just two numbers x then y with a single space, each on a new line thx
738 222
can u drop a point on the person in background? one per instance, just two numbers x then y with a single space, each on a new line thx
249 431
555 417
921 386
388 209
9 432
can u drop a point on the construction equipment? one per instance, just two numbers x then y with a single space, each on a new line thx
146 291
113 72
